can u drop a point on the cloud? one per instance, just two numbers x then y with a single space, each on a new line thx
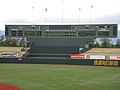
17 21
112 18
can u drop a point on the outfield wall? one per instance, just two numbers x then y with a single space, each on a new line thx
68 61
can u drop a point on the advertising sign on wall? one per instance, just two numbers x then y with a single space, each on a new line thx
78 56
97 57
115 57
9 55
106 62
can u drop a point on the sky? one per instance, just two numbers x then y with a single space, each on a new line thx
59 12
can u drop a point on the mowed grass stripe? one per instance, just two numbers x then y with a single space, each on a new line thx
60 77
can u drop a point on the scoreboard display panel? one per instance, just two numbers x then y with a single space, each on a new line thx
62 31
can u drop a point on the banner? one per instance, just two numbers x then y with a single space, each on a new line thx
106 62
97 57
115 57
9 55
78 56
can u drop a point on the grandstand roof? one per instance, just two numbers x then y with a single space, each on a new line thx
12 50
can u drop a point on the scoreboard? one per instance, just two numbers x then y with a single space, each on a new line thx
62 31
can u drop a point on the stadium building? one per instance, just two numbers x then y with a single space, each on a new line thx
61 39
61 44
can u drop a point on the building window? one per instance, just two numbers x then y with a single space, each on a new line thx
33 33
20 33
103 33
86 33
38 33
13 33
59 27
29 33
101 26
114 30
33 26
6 31
60 34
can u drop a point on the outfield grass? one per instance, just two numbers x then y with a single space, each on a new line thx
60 77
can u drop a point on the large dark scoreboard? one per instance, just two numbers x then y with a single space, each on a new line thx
63 31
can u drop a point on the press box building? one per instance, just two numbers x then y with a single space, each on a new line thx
61 39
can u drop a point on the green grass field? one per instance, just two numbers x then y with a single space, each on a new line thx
60 77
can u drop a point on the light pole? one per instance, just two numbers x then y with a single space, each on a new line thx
33 14
79 15
62 12
45 15
91 13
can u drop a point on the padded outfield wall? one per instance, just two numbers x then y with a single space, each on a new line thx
67 61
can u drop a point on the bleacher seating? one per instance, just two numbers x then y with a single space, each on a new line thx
20 51
103 51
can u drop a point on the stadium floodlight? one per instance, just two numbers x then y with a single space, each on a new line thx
91 13
62 11
79 15
33 14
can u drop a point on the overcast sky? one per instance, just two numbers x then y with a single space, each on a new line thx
59 11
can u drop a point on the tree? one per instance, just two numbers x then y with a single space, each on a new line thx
13 42
7 41
97 45
22 42
105 42
118 43
29 44
2 40
91 44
